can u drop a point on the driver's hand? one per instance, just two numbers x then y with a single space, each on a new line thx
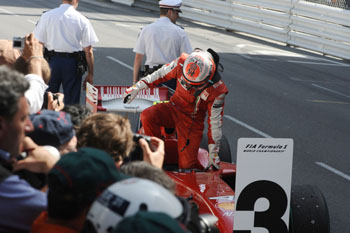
214 159
132 91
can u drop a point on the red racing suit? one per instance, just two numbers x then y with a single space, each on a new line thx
186 113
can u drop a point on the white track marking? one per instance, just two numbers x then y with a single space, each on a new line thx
254 50
330 90
335 171
315 81
318 63
8 12
31 21
328 102
120 62
247 126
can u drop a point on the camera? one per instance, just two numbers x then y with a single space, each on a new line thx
137 137
136 153
18 42
46 100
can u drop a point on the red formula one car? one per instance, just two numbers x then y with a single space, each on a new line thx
212 192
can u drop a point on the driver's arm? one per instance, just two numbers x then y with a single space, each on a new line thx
215 115
165 73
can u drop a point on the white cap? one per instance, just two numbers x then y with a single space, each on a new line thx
170 4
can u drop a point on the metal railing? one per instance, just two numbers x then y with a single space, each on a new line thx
324 28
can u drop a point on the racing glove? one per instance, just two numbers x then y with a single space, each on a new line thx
214 159
132 91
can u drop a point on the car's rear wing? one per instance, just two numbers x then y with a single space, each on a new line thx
110 98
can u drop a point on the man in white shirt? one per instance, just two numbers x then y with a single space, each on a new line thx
68 36
161 41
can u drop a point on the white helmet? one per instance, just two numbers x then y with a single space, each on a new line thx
199 68
125 198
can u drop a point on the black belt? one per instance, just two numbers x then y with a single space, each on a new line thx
150 70
61 54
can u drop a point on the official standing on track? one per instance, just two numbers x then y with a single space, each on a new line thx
161 41
68 37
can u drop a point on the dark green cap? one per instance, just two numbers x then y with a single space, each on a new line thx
149 222
82 176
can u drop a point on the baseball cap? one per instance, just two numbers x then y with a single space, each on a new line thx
51 128
80 177
148 222
171 4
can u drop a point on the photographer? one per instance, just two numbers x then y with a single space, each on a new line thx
22 65
33 55
112 133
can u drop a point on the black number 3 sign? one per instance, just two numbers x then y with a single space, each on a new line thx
271 219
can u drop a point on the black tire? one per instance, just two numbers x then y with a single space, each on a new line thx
224 152
309 211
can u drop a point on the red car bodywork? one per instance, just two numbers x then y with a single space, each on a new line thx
210 189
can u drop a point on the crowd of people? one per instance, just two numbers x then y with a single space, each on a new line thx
66 169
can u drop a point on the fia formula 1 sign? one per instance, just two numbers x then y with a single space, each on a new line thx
263 185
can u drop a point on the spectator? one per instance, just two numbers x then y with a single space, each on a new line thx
8 54
33 54
77 113
20 203
109 132
125 198
22 66
201 91
75 182
68 36
112 133
145 170
54 129
161 41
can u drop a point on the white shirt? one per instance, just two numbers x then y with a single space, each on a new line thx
162 42
64 29
35 93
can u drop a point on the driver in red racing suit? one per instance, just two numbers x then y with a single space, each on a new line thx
199 90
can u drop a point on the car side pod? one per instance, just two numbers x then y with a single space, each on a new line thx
309 211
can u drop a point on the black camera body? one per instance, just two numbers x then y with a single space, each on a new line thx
136 153
137 137
18 42
46 100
